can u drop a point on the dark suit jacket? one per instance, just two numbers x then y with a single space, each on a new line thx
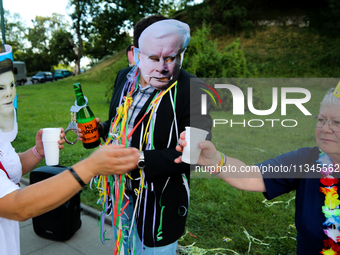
159 163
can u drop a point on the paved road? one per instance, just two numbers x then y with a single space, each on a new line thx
86 241
29 81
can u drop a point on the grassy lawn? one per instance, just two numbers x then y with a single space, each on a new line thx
288 52
218 212
221 219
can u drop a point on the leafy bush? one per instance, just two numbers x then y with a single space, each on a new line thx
226 17
324 17
204 60
292 52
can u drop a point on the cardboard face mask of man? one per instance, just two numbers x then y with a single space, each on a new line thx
8 102
160 53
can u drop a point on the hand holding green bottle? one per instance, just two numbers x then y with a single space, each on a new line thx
84 120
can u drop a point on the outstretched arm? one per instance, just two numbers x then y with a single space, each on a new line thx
250 181
28 160
50 193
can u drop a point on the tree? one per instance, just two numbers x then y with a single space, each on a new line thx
15 31
113 20
170 7
44 38
80 18
43 28
60 47
104 27
324 17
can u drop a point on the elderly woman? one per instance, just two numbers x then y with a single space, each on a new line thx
20 205
317 200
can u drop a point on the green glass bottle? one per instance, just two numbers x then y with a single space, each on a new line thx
86 120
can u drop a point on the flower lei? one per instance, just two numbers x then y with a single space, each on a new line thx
331 208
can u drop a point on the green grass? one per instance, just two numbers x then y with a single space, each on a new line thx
288 52
217 210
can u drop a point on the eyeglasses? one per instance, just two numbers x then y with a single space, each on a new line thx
333 123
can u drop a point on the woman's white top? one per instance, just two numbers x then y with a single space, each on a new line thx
9 229
10 136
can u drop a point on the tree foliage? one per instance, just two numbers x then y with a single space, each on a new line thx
43 28
325 18
80 18
46 43
225 16
101 28
60 47
15 32
203 59
111 22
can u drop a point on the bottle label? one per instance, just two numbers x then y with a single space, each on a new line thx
89 131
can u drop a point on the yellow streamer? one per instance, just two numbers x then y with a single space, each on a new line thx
155 101
120 110
128 102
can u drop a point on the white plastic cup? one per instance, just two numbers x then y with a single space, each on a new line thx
49 131
193 137
50 138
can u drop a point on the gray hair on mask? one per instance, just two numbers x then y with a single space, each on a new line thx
165 28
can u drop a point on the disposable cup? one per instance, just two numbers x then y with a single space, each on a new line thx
193 137
50 138
51 131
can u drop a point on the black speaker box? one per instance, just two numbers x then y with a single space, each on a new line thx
61 223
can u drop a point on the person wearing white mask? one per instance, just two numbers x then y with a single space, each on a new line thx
155 100
7 96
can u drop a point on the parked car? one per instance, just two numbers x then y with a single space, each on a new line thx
19 70
62 73
42 77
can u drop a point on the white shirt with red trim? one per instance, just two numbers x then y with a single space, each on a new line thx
9 229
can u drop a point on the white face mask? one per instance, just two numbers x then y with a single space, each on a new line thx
161 51
160 61
8 98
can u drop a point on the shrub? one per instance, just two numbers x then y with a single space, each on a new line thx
204 60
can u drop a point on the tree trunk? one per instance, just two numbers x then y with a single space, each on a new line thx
78 51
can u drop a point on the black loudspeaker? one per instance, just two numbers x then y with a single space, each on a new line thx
61 223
